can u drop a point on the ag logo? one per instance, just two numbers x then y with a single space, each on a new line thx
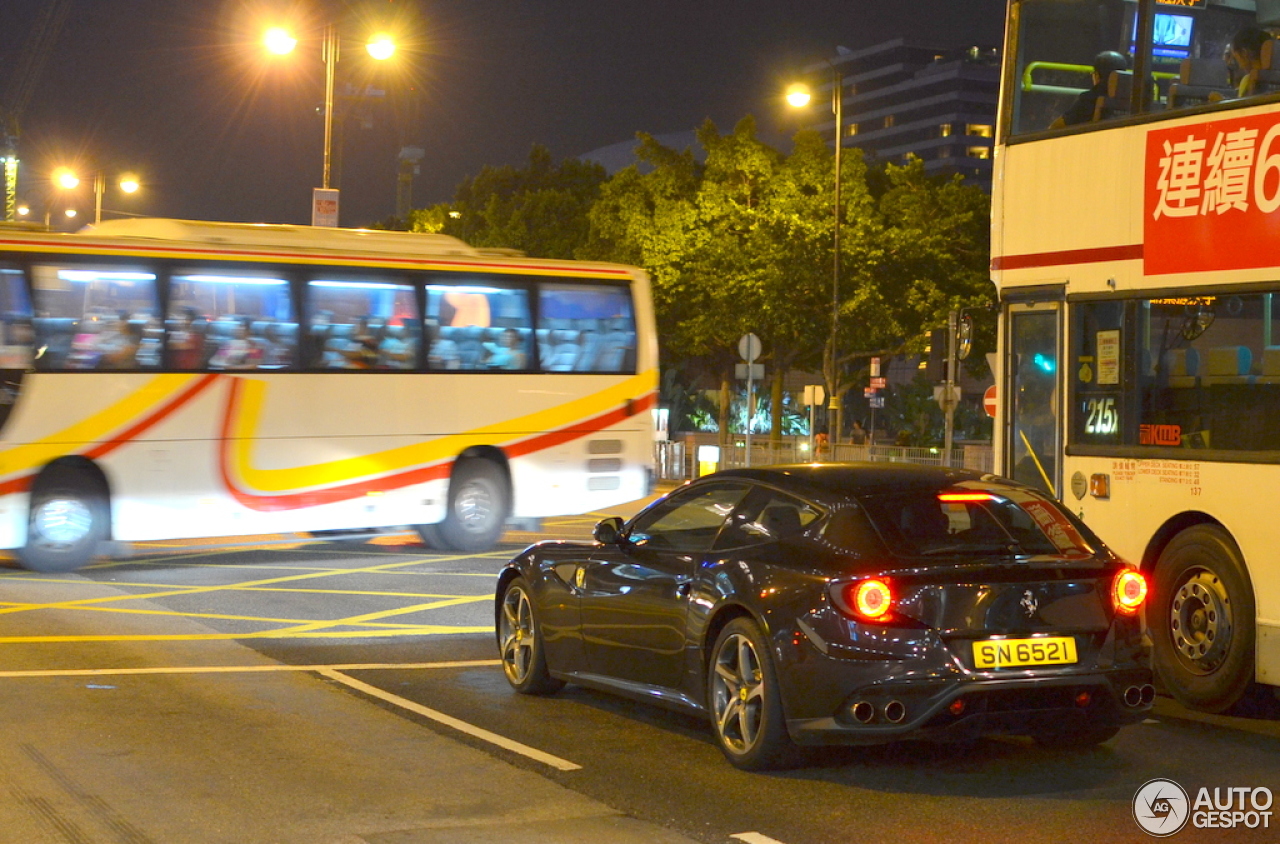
1161 807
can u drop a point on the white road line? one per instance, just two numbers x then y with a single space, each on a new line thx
449 721
236 669
755 838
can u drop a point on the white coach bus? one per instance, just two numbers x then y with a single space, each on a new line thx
168 379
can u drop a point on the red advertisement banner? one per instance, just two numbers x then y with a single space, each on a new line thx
1212 196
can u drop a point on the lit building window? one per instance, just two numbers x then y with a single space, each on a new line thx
852 129
889 121
944 131
981 130
978 152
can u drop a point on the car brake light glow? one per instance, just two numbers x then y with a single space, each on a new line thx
872 600
951 497
1130 590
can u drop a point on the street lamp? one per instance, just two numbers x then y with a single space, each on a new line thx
68 180
280 41
799 96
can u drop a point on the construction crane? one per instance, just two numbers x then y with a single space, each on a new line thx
36 50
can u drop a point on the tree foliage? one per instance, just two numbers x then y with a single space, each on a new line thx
743 241
540 209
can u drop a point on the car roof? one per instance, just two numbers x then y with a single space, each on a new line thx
857 478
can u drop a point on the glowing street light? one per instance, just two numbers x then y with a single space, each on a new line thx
67 180
381 46
799 96
280 41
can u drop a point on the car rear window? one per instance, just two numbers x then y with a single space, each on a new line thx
963 521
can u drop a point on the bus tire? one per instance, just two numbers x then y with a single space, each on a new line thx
430 536
1202 620
68 518
477 508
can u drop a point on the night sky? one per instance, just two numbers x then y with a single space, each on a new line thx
180 92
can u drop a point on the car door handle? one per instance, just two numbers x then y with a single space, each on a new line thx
682 586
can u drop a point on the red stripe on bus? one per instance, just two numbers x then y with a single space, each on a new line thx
1131 252
101 449
164 412
422 474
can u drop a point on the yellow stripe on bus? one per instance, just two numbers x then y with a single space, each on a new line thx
95 428
316 475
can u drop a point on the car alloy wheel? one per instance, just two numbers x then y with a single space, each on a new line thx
520 643
745 706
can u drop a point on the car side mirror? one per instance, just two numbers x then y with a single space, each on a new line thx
608 531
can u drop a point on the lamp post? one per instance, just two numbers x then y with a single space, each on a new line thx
798 96
68 180
280 41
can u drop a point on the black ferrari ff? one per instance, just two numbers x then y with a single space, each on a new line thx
837 604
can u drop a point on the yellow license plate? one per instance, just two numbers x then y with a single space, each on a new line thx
1011 653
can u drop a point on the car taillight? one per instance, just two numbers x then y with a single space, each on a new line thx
870 600
1130 590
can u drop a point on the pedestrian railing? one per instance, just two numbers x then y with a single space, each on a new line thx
678 460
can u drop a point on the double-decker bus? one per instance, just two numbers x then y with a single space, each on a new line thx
169 379
1136 248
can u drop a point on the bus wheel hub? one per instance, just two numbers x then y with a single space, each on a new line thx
63 521
1200 620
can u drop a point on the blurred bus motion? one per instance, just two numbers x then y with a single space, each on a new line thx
168 379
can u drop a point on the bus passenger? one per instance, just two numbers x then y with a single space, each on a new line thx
118 346
394 352
1245 58
362 350
237 352
1082 110
506 353
186 342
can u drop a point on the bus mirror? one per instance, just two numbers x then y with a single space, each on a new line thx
608 531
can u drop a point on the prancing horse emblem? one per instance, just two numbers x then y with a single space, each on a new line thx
1029 603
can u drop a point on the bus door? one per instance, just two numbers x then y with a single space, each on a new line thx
1033 384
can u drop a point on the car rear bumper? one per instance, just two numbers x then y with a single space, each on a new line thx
951 710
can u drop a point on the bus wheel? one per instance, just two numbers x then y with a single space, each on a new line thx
430 536
68 519
477 509
1202 620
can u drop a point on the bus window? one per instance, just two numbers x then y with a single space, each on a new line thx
476 326
96 317
363 323
230 320
16 336
1214 382
1076 58
586 328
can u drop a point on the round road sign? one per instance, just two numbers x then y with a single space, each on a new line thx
989 401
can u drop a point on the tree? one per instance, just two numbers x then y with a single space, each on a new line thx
926 254
730 245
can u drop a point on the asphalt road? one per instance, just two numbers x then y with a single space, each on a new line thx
350 693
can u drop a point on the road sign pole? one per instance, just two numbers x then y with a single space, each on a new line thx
749 348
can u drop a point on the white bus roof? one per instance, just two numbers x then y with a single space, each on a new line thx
278 235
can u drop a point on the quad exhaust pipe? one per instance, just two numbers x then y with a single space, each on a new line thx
864 712
895 711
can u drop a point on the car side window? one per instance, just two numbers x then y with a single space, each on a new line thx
769 516
687 521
